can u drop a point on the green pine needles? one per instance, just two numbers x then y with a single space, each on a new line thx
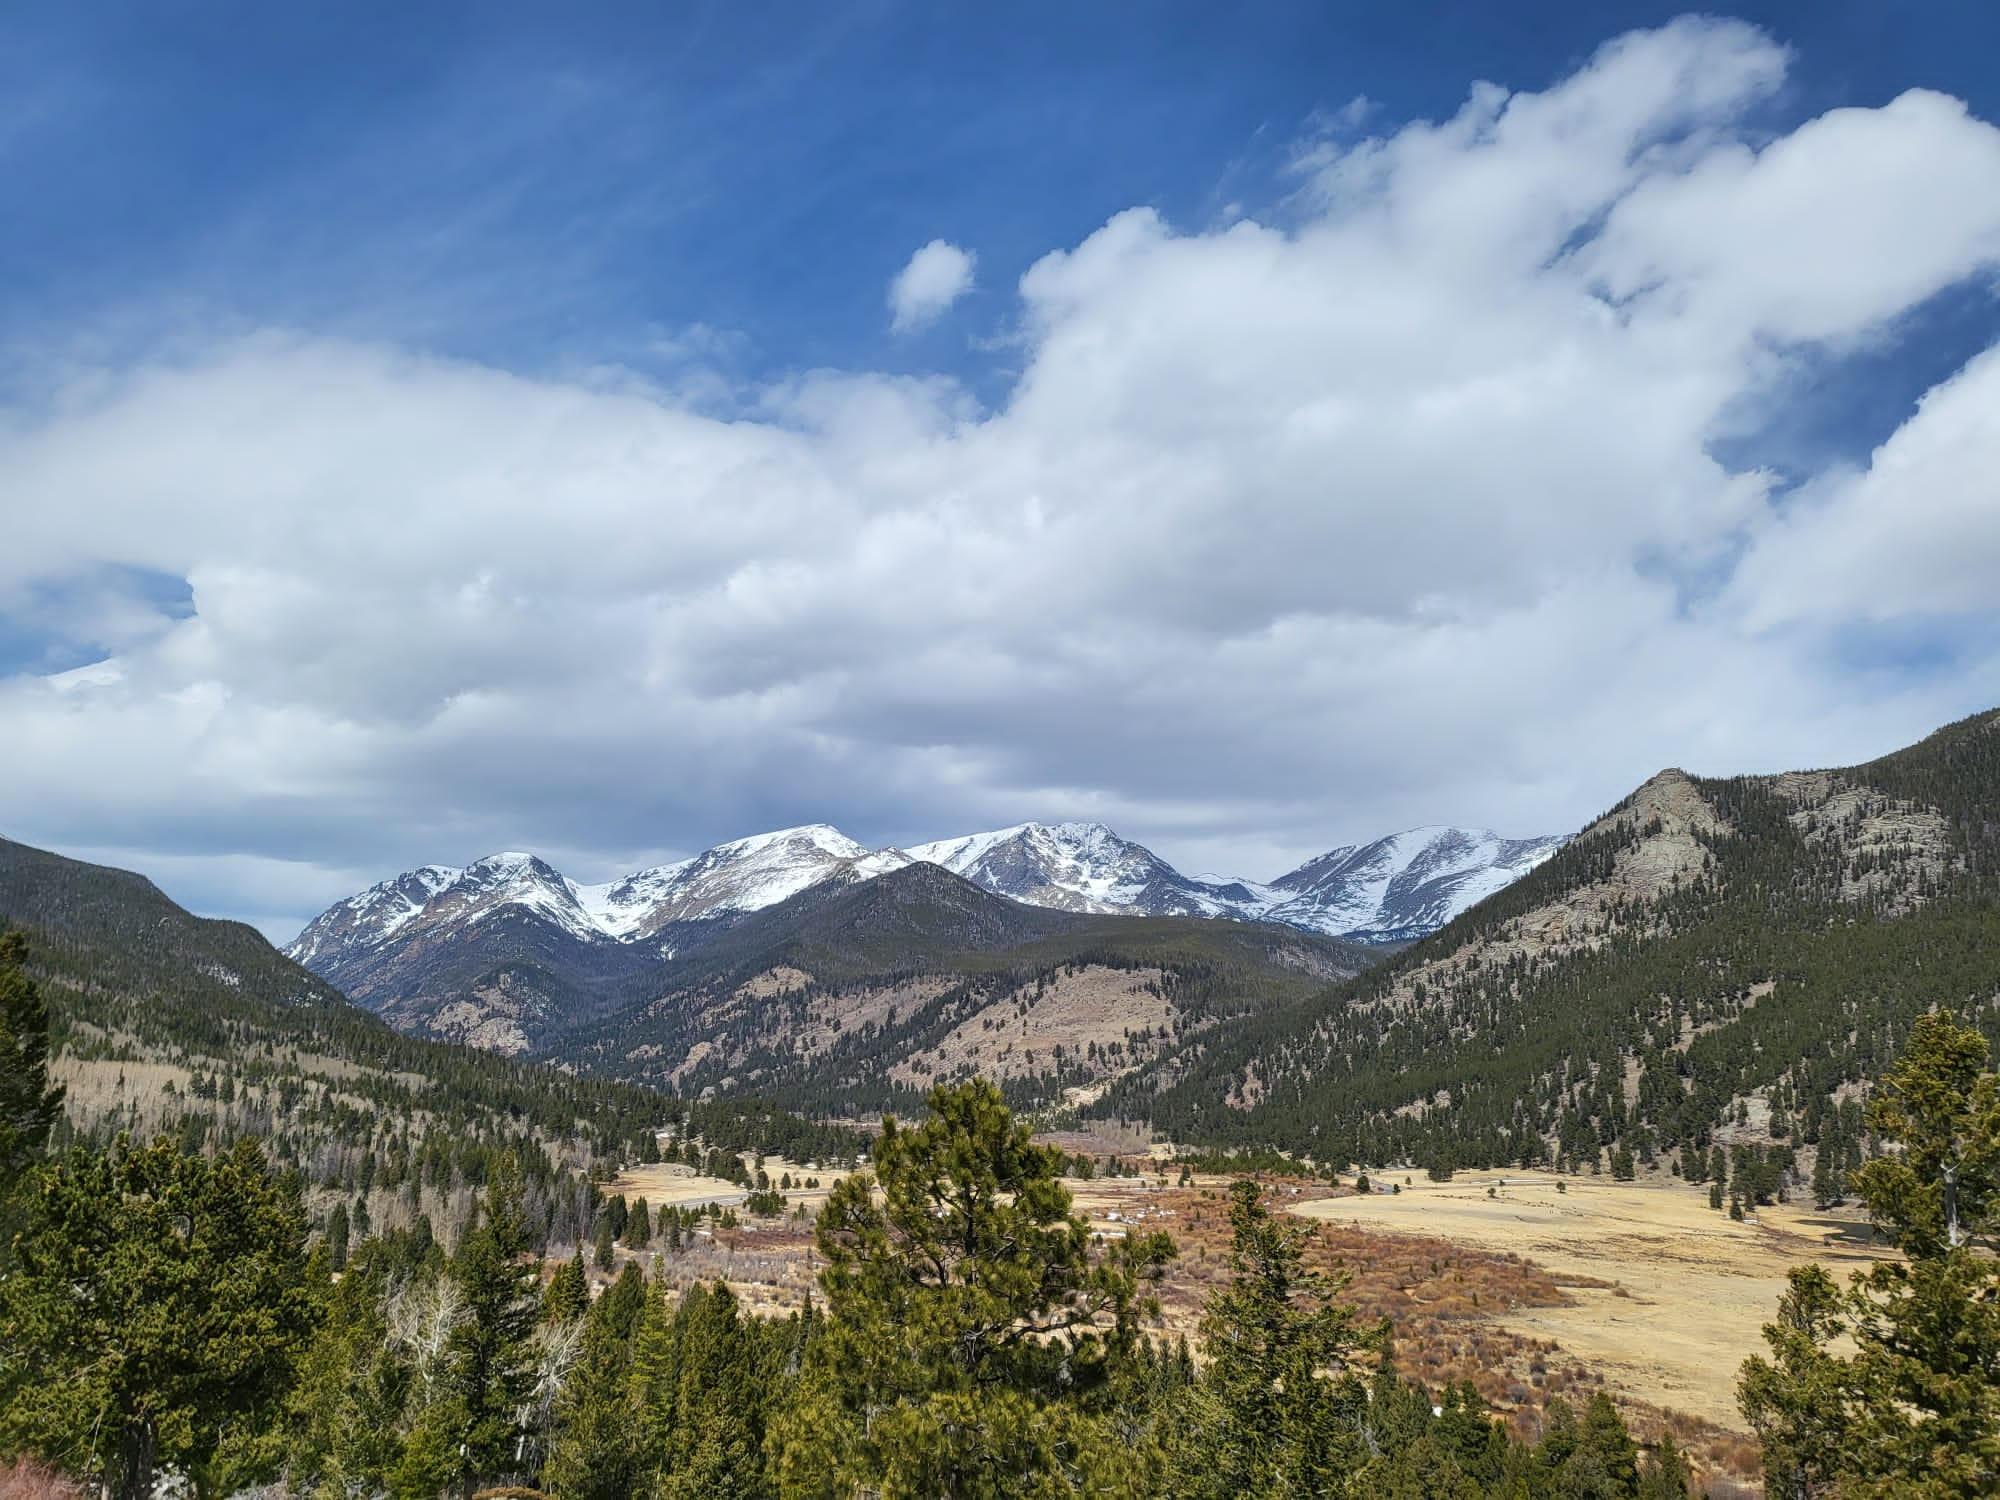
1914 1409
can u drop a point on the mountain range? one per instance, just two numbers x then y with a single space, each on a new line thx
1714 961
409 939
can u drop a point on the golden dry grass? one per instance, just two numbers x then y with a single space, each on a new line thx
1688 1290
663 1183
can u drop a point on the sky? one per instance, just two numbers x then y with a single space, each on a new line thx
605 431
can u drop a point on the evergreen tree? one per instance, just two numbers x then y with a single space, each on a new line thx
158 1307
1915 1410
343 1432
971 1337
1606 1453
488 1371
1798 1401
1667 1477
639 1226
1278 1341
29 1104
597 1451
336 1237
703 1400
568 1293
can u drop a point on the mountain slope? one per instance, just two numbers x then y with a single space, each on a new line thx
507 952
167 1021
1390 891
856 995
1086 867
134 980
1404 886
1709 949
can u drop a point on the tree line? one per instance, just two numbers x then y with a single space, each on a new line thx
172 1312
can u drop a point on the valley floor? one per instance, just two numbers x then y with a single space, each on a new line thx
1640 1287
1690 1290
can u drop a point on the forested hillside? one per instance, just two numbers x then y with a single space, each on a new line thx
852 999
163 1021
1738 952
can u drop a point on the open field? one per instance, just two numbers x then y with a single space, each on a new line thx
1689 1291
1535 1293
664 1183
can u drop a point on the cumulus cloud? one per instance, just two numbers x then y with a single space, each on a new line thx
1408 510
936 276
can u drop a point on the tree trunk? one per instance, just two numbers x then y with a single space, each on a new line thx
136 1441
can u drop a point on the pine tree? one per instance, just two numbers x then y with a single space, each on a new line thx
1798 1402
336 1237
1915 1410
1278 1340
1607 1450
162 1300
488 1367
342 1434
972 1339
1560 1439
29 1105
703 1402
1667 1477
639 1226
568 1293
597 1450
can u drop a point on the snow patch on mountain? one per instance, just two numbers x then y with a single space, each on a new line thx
1393 889
743 875
1076 866
1405 885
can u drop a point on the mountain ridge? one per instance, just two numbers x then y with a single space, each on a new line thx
1713 960
1368 893
857 995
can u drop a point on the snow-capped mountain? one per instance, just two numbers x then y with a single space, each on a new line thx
389 944
1403 886
744 875
493 952
1085 867
506 951
1392 890
740 876
437 895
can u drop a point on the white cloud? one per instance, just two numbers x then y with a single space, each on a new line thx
1406 512
1916 533
936 276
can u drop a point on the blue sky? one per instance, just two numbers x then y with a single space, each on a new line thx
290 264
545 187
